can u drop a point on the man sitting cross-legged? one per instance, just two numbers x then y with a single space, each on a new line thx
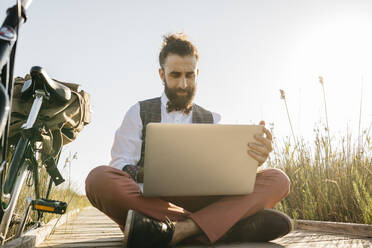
166 221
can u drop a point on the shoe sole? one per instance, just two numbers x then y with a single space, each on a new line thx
128 224
263 226
283 215
270 214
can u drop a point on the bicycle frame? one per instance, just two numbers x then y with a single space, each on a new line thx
8 185
25 157
18 166
16 16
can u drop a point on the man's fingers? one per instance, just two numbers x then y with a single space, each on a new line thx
257 157
266 142
268 134
259 149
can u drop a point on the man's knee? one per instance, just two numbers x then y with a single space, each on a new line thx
105 183
280 180
96 178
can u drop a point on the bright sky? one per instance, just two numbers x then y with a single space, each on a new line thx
248 51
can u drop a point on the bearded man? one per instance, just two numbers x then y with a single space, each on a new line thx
166 221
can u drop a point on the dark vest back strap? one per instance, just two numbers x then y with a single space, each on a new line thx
150 111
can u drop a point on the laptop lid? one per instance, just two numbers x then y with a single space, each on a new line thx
199 159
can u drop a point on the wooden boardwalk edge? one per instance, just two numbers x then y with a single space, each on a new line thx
361 230
37 236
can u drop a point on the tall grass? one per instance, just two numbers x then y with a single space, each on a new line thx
64 192
327 184
337 191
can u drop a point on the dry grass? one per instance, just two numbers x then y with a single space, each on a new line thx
338 190
64 192
331 178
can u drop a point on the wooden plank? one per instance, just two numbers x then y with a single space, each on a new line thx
105 233
23 242
93 244
85 239
304 238
90 235
361 230
35 237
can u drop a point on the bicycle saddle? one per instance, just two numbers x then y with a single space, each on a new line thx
41 80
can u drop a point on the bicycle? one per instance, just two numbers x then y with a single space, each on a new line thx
26 159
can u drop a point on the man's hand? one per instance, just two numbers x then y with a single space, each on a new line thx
261 149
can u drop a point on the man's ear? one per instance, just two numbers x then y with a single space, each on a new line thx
197 72
161 74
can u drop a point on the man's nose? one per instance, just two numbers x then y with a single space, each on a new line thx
182 83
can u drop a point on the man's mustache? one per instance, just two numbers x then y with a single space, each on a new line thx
182 90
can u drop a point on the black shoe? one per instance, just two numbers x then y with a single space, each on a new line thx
142 232
265 225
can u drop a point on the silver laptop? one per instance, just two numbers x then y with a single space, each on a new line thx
199 159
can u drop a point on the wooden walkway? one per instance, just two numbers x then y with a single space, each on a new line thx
93 229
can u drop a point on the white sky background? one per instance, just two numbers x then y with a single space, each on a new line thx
248 51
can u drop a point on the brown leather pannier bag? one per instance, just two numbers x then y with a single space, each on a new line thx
58 124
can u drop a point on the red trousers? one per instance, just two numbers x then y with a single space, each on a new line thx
113 192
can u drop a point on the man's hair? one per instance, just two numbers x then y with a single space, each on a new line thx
177 44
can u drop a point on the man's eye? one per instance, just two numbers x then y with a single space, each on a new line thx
189 75
175 75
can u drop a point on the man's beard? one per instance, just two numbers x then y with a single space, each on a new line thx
179 103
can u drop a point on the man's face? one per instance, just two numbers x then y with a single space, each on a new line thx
179 76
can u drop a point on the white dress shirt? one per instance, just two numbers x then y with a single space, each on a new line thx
127 143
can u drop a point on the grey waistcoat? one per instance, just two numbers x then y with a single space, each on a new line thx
150 111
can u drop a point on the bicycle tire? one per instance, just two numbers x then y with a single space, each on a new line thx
15 164
4 109
17 167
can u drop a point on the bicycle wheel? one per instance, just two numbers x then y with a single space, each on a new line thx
4 108
12 184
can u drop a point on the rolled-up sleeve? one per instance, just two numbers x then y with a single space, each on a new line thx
127 142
